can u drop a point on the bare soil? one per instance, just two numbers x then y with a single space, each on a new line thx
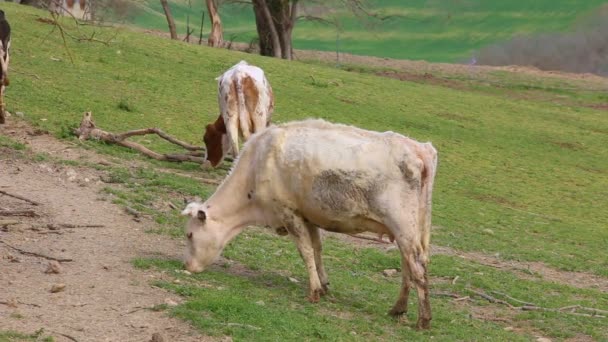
105 298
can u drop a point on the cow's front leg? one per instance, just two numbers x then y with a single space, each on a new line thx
300 233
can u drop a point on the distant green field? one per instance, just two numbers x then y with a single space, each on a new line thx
436 30
520 178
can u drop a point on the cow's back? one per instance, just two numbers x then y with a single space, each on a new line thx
330 172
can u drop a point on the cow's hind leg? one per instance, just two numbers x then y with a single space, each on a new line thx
232 129
414 266
301 235
400 306
318 248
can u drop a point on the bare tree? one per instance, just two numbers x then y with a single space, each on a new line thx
170 20
275 20
216 35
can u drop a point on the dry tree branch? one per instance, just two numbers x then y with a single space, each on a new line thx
19 197
88 130
35 254
29 213
530 307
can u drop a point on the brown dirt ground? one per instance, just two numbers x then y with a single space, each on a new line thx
105 298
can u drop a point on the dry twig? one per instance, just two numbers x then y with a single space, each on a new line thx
28 212
35 254
19 197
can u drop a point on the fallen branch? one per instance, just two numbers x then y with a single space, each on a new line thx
88 130
35 254
67 336
29 213
490 298
13 304
52 226
19 197
540 308
531 307
511 298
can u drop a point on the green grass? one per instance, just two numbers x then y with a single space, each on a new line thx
13 336
438 30
533 172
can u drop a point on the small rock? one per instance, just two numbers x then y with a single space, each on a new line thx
508 328
157 337
488 231
543 339
389 272
170 302
53 267
177 281
71 175
20 114
293 280
57 288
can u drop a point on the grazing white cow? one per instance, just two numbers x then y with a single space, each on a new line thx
246 106
5 44
303 175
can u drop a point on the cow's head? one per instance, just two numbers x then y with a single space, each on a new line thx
217 144
205 239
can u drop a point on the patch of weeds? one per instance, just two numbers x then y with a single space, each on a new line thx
42 157
66 130
10 143
13 336
159 307
126 105
323 84
16 315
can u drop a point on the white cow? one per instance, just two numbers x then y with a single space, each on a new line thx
246 106
303 175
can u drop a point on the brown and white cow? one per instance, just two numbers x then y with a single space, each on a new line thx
5 44
246 106
304 175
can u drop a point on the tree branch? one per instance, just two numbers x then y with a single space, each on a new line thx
19 197
88 130
35 254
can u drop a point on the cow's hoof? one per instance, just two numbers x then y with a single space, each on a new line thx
315 296
423 324
324 289
396 312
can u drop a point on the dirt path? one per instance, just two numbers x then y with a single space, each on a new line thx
105 298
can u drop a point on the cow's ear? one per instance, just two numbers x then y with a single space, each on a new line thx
191 209
201 215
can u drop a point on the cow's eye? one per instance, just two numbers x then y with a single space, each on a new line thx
189 235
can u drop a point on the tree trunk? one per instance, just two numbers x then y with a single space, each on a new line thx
215 36
170 20
275 20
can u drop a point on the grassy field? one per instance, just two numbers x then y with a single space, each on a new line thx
520 178
438 30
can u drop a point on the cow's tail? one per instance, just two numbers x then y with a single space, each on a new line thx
429 159
244 121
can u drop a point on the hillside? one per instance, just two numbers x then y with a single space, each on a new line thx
436 31
519 200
